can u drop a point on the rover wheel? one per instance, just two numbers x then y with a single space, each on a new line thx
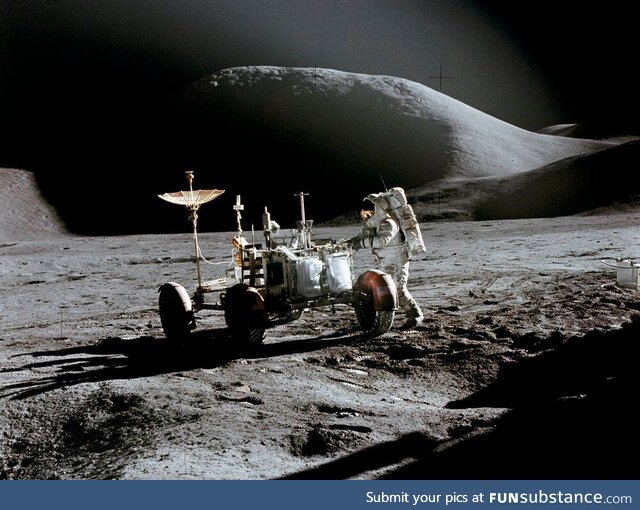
176 314
372 322
245 315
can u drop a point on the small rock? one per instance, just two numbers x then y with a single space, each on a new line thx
502 332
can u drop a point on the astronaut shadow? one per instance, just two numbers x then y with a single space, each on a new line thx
570 413
115 358
408 447
589 438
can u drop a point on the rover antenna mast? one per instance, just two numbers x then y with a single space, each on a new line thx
304 229
193 211
237 208
192 200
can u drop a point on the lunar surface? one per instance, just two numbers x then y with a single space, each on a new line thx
526 356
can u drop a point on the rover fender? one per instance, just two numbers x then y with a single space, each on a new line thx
176 313
245 314
380 286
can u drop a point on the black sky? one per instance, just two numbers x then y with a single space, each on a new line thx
529 63
78 78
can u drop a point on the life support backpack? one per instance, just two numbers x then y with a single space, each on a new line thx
403 213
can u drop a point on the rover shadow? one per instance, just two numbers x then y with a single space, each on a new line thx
575 367
117 358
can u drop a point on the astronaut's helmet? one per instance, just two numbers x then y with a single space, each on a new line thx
373 204
367 210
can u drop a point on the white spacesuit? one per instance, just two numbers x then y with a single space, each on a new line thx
390 244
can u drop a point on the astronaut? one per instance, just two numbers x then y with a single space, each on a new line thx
391 231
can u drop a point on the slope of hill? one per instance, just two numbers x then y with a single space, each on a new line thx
429 134
601 131
24 213
603 181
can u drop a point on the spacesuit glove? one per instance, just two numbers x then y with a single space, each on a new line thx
354 243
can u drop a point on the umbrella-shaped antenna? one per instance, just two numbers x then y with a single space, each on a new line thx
192 200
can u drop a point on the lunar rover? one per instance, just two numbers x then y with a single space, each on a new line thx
275 282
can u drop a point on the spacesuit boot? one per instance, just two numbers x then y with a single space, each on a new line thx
414 316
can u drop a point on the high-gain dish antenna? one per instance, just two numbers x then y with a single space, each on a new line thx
192 200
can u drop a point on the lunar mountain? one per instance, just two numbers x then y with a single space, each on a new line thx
268 132
337 133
